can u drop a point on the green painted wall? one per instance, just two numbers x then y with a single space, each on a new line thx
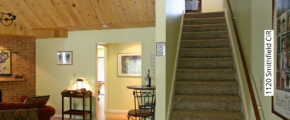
173 20
120 97
252 18
211 6
160 61
243 21
51 78
261 20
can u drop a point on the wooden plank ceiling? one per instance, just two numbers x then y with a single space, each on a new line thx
71 15
53 18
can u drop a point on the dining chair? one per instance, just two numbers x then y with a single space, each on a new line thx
144 106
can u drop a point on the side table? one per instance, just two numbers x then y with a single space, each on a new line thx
71 112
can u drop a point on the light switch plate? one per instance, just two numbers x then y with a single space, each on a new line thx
152 67
74 75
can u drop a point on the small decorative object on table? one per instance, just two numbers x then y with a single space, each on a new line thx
148 78
15 76
80 83
83 90
20 76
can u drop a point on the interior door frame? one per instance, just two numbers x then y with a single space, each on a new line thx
105 79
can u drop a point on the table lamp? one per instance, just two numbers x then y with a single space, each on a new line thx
79 83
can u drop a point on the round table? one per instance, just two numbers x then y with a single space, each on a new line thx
141 87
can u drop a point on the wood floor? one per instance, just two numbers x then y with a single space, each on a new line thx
102 115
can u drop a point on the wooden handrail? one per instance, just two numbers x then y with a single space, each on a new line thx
244 65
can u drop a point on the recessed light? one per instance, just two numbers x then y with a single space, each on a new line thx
105 26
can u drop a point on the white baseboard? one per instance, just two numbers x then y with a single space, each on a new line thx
67 116
59 116
118 111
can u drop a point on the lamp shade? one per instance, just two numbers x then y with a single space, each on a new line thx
79 83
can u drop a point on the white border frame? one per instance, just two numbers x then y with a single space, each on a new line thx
65 52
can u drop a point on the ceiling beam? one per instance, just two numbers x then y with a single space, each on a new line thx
16 30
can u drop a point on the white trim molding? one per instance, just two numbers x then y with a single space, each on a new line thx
118 111
236 66
175 67
74 117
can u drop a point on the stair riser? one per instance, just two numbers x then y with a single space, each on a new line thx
206 88
208 15
203 21
188 115
205 63
204 28
206 53
204 43
206 104
206 75
204 35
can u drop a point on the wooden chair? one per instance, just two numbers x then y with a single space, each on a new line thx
142 108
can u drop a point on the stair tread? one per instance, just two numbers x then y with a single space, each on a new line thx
204 18
218 87
216 97
207 82
208 58
207 69
205 32
205 24
206 113
202 40
204 48
207 12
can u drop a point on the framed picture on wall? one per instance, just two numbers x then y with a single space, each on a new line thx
160 49
281 24
5 63
129 64
64 57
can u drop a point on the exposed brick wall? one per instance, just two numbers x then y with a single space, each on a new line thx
24 63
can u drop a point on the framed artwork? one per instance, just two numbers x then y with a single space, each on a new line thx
64 57
5 63
129 64
160 49
281 24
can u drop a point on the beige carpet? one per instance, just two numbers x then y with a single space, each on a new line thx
206 86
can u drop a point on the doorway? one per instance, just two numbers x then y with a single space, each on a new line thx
117 100
193 6
101 69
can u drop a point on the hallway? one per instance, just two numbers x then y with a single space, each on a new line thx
109 116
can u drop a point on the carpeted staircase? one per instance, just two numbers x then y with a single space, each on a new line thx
206 86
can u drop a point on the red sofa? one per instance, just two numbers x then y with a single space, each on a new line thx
45 112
